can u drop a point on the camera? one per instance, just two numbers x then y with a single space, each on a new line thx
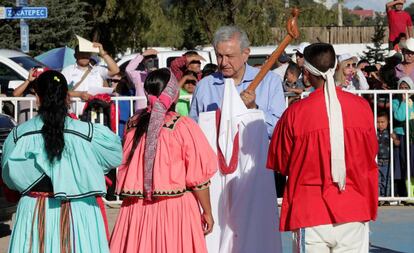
371 68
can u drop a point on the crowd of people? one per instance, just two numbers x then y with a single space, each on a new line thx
198 176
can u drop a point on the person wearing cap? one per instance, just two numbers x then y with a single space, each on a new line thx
399 21
328 200
406 67
299 53
399 105
348 76
82 75
284 60
137 77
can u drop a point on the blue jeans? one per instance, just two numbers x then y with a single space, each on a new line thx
384 180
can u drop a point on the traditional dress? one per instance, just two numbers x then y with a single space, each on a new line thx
243 194
171 221
68 218
301 149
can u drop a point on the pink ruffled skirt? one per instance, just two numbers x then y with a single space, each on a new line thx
168 225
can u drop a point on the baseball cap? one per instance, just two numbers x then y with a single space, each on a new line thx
302 47
408 44
345 57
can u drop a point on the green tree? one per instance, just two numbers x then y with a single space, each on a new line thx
203 17
375 54
65 19
9 29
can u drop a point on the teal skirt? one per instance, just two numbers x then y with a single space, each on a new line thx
87 231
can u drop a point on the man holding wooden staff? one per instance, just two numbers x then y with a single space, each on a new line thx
238 122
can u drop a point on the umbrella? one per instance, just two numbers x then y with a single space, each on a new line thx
58 58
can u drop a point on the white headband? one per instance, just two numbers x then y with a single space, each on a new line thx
336 126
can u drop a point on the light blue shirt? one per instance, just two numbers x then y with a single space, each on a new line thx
270 98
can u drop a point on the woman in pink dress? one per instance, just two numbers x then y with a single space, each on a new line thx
164 177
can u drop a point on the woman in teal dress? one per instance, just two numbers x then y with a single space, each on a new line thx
58 166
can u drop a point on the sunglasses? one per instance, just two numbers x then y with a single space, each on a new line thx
349 65
114 80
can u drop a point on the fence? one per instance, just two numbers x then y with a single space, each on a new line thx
374 97
333 34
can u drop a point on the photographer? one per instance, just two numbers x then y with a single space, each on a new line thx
371 74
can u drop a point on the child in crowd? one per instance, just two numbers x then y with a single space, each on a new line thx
292 82
399 42
383 135
188 84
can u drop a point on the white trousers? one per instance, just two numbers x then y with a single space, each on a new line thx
350 237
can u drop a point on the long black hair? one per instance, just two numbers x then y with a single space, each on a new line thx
51 87
155 83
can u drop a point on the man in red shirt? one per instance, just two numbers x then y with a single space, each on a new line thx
399 22
329 196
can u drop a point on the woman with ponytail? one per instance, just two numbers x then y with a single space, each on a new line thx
58 165
164 177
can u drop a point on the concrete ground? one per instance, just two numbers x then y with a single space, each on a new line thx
393 232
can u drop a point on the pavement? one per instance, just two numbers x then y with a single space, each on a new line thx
393 232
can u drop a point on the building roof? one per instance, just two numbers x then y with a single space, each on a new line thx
363 13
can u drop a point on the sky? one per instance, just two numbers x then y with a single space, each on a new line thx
377 5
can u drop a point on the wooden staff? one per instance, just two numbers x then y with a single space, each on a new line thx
293 33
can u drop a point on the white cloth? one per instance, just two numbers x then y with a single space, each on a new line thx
73 75
244 203
231 110
336 126
352 237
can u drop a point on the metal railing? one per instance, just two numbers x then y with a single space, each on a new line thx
373 97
